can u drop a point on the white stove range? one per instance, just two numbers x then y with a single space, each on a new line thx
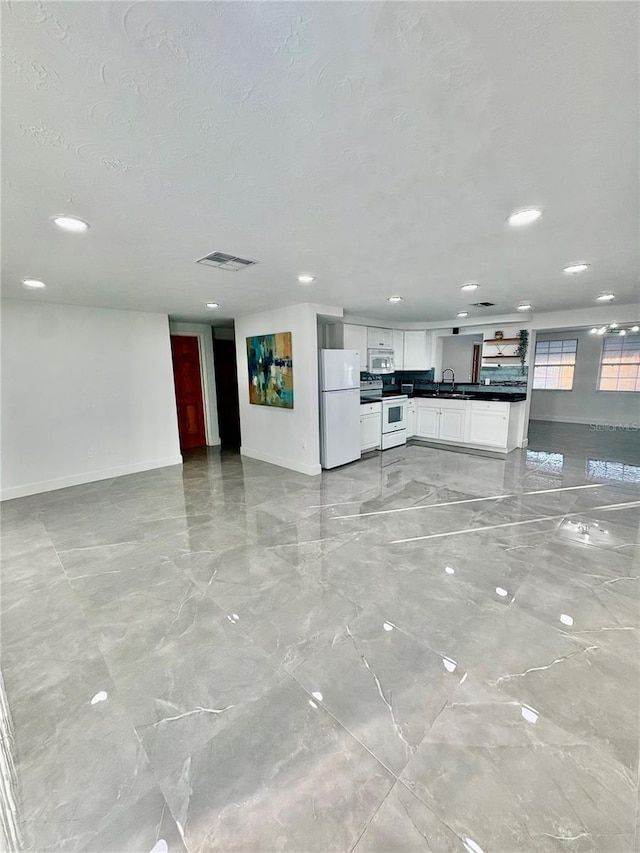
394 412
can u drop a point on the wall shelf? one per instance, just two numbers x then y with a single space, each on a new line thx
501 356
502 340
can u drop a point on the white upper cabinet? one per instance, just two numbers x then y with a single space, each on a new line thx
355 337
379 338
415 351
398 349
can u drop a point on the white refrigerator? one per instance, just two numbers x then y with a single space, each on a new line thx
339 407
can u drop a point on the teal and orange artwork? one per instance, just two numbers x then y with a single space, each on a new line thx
270 364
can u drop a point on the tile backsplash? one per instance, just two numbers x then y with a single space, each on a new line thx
511 375
507 378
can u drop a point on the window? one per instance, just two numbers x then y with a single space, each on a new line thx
554 364
620 365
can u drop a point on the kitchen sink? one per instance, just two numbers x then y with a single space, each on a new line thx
456 396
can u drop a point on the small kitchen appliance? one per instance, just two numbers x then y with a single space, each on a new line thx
380 361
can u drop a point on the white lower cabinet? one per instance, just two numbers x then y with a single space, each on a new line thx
488 424
427 420
411 418
471 422
440 419
452 424
370 426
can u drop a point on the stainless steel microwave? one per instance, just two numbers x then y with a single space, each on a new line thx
380 361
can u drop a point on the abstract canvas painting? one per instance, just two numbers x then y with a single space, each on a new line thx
270 370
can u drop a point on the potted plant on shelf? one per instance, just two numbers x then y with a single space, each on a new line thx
523 347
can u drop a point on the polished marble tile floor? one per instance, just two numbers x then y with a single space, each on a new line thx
422 651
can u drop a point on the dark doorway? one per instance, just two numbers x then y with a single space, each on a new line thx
224 358
188 386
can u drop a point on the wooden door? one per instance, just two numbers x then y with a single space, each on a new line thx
188 386
475 365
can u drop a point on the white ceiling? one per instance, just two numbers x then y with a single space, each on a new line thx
379 146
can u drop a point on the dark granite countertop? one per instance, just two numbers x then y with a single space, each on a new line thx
494 396
490 396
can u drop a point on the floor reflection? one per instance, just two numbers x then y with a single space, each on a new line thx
618 472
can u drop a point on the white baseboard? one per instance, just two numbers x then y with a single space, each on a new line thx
282 462
567 420
86 477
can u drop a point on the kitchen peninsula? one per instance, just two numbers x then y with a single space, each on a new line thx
469 421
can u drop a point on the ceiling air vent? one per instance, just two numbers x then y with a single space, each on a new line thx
225 262
482 304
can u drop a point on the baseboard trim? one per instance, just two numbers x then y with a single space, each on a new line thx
87 477
282 462
562 420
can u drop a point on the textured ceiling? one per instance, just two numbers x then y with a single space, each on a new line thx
378 145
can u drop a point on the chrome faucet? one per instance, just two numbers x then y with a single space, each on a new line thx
453 377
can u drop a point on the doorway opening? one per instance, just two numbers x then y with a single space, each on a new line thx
225 366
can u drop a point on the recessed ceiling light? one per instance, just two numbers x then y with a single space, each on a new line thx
394 299
605 297
525 306
525 216
33 283
470 285
463 314
594 331
635 328
212 305
305 278
574 269
71 223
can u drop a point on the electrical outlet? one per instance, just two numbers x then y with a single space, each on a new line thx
304 445
91 452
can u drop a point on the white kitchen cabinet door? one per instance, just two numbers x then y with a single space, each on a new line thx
379 338
415 351
452 425
355 337
398 349
427 421
411 421
370 428
488 427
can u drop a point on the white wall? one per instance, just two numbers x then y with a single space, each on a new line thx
457 353
87 393
584 405
207 373
286 437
